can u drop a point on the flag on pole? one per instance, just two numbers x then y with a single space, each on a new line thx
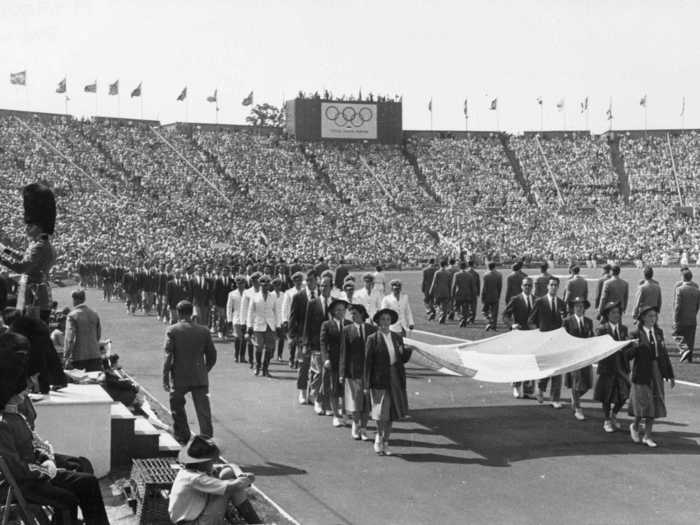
466 109
608 112
248 100
114 88
61 86
584 105
539 100
643 101
183 94
91 88
683 107
19 78
212 98
137 91
494 104
430 105
560 105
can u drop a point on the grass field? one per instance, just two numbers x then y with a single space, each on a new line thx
667 277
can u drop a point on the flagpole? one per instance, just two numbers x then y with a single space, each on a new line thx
141 99
65 103
119 104
498 125
541 117
586 117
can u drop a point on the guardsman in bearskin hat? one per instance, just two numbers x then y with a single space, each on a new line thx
40 216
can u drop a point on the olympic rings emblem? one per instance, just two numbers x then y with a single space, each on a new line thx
349 116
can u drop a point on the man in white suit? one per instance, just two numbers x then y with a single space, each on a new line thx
234 305
398 302
262 325
369 296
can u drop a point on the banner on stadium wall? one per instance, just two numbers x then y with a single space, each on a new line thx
340 120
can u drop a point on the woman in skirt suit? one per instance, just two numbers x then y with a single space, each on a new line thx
650 367
385 377
613 385
579 381
352 370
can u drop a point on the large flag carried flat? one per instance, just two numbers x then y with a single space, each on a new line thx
137 91
91 88
61 88
19 78
248 100
183 94
520 355
114 88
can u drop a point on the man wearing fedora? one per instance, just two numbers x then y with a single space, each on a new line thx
201 492
189 356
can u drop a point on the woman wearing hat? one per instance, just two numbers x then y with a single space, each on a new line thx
650 367
579 381
200 493
34 292
332 338
613 386
352 370
385 377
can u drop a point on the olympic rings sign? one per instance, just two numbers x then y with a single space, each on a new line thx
341 120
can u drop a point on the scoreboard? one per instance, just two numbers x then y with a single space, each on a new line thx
316 119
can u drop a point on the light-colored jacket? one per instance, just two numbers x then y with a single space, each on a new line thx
371 301
262 313
402 307
83 332
233 307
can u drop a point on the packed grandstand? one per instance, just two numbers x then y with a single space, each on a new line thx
130 191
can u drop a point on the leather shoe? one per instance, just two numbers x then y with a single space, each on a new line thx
557 404
649 442
578 414
634 434
608 426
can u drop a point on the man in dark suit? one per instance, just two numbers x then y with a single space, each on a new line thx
201 296
648 293
341 272
189 357
176 290
575 287
548 314
491 295
685 315
440 290
296 266
453 268
615 290
321 266
514 280
477 279
599 288
517 314
428 274
130 285
164 275
464 292
223 285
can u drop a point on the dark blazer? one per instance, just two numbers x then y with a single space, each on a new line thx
542 316
464 287
341 272
377 366
130 283
428 274
297 314
576 287
305 319
686 305
540 284
599 291
649 294
518 310
163 278
644 355
189 355
493 284
222 290
514 283
352 354
332 341
612 365
442 281
572 327
201 293
475 274
174 292
615 289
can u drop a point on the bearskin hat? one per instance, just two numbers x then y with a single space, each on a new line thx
40 206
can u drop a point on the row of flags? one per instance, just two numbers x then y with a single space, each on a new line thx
20 79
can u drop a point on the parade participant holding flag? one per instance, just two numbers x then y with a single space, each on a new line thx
581 380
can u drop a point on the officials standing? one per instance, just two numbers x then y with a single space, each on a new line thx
685 315
491 295
464 291
82 339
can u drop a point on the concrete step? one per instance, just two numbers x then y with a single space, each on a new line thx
167 446
122 423
145 441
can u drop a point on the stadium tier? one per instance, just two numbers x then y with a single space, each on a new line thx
130 190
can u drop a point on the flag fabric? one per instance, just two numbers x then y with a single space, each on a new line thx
466 109
539 100
430 105
91 88
212 98
584 105
560 105
183 94
248 100
519 355
683 107
61 86
643 101
19 79
137 91
494 104
608 112
114 88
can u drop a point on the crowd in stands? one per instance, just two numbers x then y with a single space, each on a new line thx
328 96
128 193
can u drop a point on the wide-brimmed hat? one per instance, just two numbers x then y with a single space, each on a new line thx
581 300
336 302
360 308
198 450
394 315
609 306
644 308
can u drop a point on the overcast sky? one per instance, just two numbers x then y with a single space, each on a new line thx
515 50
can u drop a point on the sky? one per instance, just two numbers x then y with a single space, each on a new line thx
516 51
